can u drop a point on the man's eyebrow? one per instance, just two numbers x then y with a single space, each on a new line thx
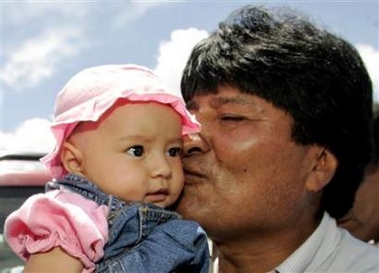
218 101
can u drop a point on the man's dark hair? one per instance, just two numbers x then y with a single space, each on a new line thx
375 161
315 76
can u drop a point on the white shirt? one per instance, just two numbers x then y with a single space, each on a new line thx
330 249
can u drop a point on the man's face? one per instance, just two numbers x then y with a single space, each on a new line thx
243 172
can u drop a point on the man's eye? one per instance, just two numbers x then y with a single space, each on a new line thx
232 118
174 152
135 151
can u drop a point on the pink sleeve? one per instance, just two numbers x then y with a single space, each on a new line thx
59 218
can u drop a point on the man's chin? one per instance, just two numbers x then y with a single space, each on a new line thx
181 204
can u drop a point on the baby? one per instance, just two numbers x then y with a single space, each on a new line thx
117 168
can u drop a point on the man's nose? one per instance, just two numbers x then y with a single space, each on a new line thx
195 144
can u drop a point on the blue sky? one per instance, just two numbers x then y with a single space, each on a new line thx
44 43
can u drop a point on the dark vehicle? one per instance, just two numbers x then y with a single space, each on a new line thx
21 175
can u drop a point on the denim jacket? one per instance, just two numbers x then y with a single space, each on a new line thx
143 237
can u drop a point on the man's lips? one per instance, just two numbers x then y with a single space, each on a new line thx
192 176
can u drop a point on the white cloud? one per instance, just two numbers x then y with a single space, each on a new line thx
173 54
136 10
33 135
39 58
25 12
370 57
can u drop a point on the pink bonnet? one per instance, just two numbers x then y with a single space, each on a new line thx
91 92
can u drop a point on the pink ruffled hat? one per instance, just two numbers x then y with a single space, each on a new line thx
91 92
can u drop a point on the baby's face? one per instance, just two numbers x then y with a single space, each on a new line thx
134 152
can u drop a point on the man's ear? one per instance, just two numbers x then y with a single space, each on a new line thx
324 168
72 158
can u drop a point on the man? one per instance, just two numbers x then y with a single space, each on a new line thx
285 109
363 219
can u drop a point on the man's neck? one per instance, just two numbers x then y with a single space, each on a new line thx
261 253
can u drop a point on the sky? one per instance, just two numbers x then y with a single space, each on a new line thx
44 43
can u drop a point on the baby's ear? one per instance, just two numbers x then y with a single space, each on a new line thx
71 158
324 168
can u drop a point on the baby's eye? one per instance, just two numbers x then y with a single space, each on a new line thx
136 151
174 152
